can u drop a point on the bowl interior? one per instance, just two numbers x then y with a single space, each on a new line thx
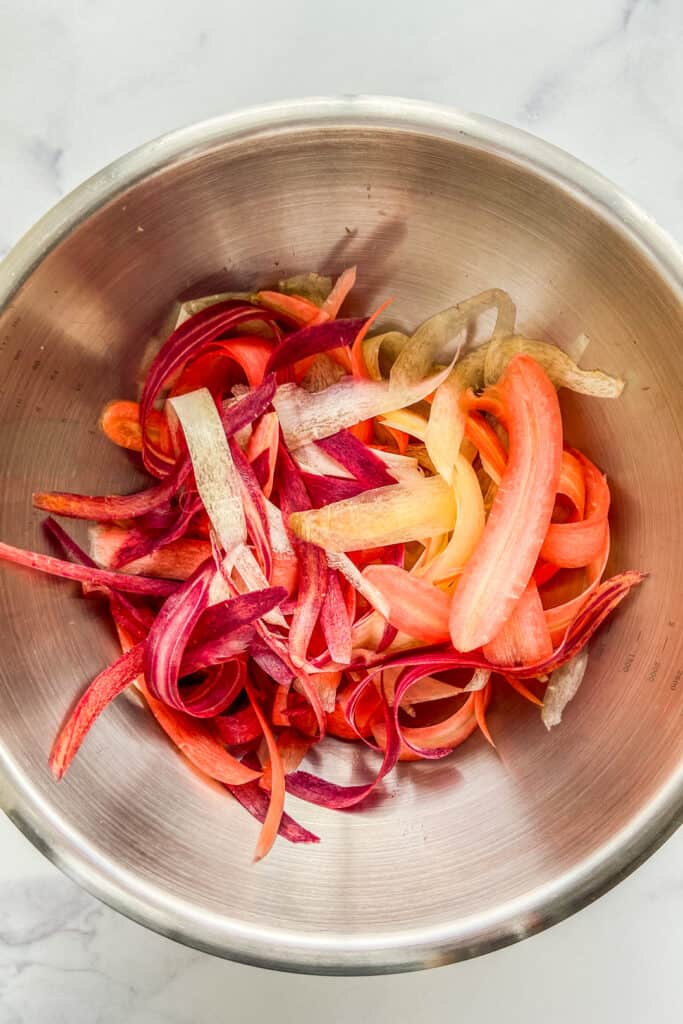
457 853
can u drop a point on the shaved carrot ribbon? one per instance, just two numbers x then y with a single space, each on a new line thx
502 564
276 806
384 515
264 440
298 309
489 445
110 508
174 561
418 742
366 710
525 638
103 689
415 606
189 340
562 608
481 699
572 484
523 690
469 526
86 574
358 367
340 291
213 369
198 741
330 309
362 431
572 545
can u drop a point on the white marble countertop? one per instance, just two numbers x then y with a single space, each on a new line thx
84 80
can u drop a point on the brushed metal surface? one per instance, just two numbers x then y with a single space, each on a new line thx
459 856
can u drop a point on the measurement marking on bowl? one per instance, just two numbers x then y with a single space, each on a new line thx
628 661
413 828
654 672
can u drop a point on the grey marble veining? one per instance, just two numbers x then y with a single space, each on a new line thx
84 80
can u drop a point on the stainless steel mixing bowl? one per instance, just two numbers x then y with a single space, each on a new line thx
462 855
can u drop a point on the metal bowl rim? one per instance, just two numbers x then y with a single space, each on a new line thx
368 953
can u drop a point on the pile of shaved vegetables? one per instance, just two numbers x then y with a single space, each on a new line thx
350 533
